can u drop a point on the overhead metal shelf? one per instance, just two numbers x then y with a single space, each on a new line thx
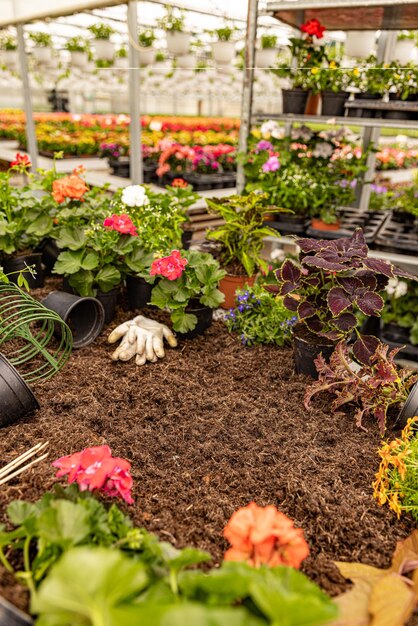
348 14
365 122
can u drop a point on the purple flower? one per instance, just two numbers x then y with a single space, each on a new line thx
379 189
271 165
263 145
241 308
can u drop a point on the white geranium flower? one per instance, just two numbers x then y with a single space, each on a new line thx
155 125
397 288
322 150
135 195
269 127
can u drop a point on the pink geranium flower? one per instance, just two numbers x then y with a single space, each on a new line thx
170 267
271 165
121 223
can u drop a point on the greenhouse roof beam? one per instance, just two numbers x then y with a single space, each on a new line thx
14 12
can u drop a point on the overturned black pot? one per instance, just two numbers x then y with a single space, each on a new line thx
138 292
109 300
333 103
50 252
186 239
16 397
294 101
204 316
19 263
306 348
12 616
409 409
84 316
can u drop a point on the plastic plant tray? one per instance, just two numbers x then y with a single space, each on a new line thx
397 236
351 218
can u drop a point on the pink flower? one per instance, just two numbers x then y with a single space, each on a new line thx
121 223
271 165
96 469
21 161
170 267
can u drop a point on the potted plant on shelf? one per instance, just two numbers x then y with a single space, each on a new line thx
404 203
25 219
400 315
359 43
146 52
295 94
223 50
188 288
371 81
8 46
267 52
121 58
332 282
104 48
405 47
162 65
42 46
178 42
331 82
241 239
78 48
403 86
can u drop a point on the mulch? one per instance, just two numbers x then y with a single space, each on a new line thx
208 429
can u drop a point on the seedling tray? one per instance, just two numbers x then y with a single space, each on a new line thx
286 225
398 236
351 218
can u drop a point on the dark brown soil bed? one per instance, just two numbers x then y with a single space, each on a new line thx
208 429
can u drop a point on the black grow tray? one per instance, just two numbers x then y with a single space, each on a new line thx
12 616
289 224
351 218
398 236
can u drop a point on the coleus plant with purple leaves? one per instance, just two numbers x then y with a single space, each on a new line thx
332 282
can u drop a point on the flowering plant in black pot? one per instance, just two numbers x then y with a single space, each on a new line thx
331 283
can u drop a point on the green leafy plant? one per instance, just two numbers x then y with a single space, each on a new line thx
101 31
268 42
224 33
77 44
173 20
196 284
374 388
146 38
260 318
401 307
7 41
405 199
241 237
122 53
41 40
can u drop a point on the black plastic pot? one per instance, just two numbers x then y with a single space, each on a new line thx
306 348
399 115
138 292
364 112
294 101
186 239
109 301
333 103
393 332
50 252
409 409
85 316
120 167
12 616
204 319
16 397
402 216
20 262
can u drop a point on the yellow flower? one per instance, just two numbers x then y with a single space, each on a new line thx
333 65
356 71
315 70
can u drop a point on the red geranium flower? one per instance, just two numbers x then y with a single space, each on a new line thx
21 160
95 468
121 223
170 267
313 28
179 182
262 535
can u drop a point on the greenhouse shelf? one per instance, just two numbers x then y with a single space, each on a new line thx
365 122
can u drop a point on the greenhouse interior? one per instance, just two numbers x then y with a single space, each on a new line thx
209 313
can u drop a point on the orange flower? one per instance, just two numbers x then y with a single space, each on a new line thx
263 535
72 187
179 182
80 169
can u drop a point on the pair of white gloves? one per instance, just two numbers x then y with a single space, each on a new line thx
141 337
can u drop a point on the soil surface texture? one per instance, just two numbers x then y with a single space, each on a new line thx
209 428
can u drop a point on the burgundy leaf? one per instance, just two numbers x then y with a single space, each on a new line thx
321 263
313 281
370 303
305 309
287 287
403 273
364 348
314 324
367 279
290 272
333 335
272 288
346 322
291 303
380 267
338 301
309 245
349 284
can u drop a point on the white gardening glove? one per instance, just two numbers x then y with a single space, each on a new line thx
141 337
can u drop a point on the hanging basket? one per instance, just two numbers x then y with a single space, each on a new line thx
27 335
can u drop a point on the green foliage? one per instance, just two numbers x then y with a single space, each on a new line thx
7 41
101 31
260 318
173 20
77 44
146 38
225 32
198 284
241 237
268 42
401 307
122 53
41 40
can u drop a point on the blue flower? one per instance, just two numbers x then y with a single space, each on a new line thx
241 308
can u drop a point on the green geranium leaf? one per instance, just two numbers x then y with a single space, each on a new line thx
82 281
182 321
213 299
41 226
182 614
108 278
64 523
69 262
187 557
71 237
90 261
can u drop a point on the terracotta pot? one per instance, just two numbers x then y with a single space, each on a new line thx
312 104
229 285
320 225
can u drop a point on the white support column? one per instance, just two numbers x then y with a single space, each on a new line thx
247 90
134 93
27 100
